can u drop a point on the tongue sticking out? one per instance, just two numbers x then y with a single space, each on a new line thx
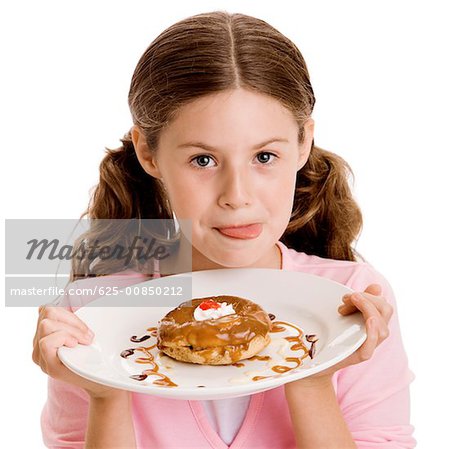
243 232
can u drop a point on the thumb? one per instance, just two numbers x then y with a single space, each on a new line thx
374 289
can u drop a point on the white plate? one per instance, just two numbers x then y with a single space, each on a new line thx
307 301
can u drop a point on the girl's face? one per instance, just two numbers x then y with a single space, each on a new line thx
230 159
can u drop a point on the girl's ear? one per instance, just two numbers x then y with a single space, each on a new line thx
146 157
305 147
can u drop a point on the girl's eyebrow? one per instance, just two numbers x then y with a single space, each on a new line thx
204 146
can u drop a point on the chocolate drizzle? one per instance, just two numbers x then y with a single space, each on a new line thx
162 379
135 339
313 340
139 376
127 352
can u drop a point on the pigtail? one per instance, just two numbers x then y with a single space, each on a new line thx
125 190
124 195
325 219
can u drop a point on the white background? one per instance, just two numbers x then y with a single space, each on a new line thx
380 73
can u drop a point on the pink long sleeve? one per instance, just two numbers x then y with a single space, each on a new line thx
374 395
64 416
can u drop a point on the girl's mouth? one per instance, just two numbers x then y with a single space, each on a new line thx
242 232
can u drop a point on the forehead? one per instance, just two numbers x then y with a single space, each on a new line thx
229 116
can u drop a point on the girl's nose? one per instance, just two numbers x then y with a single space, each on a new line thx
235 189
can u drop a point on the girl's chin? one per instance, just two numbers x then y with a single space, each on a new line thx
235 260
228 252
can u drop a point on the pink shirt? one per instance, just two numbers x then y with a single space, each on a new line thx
373 396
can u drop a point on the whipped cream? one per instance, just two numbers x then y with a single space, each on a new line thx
212 313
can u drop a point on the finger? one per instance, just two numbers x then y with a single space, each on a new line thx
374 289
40 312
58 313
350 301
48 347
369 310
367 349
365 306
347 308
383 307
35 354
48 326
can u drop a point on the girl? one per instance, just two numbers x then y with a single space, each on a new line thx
223 137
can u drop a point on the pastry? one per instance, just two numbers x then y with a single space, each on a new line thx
218 330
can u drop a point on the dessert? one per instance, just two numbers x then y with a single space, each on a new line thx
218 330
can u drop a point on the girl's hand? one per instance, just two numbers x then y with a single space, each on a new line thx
377 313
58 327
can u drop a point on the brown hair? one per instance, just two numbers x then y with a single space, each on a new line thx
209 53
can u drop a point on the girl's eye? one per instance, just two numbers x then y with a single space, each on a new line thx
201 161
264 157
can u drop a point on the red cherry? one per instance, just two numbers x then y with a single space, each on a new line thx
209 304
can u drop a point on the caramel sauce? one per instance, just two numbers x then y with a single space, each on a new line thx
298 345
180 328
276 328
163 380
148 359
260 357
284 369
280 326
238 364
